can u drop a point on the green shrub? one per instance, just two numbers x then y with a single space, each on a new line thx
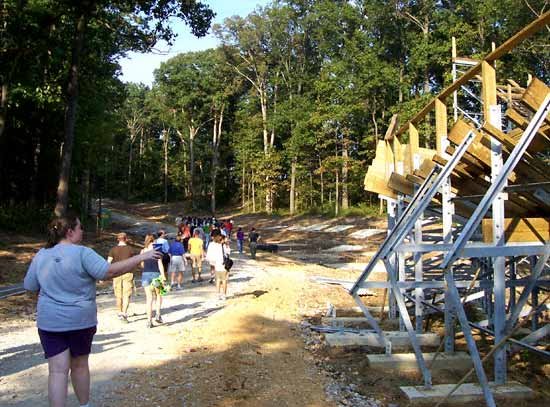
24 217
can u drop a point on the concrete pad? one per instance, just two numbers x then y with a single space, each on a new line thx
338 228
466 393
406 362
379 268
345 248
398 339
364 233
346 322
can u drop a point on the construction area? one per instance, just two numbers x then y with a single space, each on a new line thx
468 235
446 303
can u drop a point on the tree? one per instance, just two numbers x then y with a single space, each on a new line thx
157 14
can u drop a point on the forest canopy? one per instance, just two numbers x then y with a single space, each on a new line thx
284 114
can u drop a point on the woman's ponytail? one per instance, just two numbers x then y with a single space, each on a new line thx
58 228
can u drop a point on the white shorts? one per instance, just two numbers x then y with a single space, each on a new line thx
177 264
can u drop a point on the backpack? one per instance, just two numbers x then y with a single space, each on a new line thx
227 262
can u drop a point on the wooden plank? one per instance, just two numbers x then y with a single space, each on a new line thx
378 185
397 149
414 142
488 88
391 128
400 184
519 230
534 94
532 167
389 160
440 125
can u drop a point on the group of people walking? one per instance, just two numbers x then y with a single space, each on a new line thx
64 274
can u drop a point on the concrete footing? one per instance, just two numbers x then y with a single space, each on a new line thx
466 393
406 362
352 322
398 339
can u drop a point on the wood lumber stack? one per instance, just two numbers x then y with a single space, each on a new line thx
527 207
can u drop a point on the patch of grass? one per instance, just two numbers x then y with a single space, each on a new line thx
362 210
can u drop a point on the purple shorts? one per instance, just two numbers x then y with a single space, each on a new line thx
79 342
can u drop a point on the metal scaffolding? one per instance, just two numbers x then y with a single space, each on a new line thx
460 268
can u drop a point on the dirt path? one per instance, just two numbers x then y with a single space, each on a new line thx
117 347
247 350
250 353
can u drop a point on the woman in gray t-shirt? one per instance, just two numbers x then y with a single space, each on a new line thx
64 274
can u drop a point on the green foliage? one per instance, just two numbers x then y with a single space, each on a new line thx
298 92
24 217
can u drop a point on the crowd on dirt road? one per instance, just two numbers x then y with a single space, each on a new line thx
64 275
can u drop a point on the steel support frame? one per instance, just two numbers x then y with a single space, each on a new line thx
499 182
406 221
414 210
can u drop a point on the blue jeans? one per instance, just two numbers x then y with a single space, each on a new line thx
147 277
240 246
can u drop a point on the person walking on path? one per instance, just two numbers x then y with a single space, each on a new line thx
228 228
161 239
212 263
217 250
152 269
253 239
240 240
196 252
64 274
123 285
177 263
206 230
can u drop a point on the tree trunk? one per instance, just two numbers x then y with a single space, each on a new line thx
35 173
243 198
165 145
293 186
214 172
373 114
3 107
253 198
263 105
401 80
216 136
311 189
322 183
192 134
130 156
70 113
345 164
336 197
84 188
425 34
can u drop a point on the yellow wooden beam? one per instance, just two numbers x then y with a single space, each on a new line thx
488 88
440 125
520 230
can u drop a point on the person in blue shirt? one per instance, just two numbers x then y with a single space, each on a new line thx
64 274
177 262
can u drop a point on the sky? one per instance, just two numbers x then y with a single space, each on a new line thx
137 67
